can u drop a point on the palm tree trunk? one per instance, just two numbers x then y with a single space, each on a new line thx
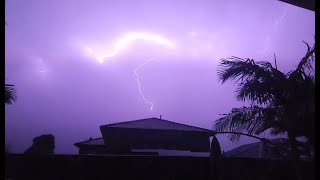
294 156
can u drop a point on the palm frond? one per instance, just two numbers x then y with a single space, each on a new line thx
282 102
245 119
10 95
258 80
255 91
307 60
235 68
251 120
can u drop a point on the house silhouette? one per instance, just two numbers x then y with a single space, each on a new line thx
151 136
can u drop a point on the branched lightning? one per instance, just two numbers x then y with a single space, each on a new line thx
274 29
125 41
139 84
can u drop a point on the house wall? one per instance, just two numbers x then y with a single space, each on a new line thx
122 139
91 149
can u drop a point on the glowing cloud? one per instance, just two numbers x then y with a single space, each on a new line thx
40 64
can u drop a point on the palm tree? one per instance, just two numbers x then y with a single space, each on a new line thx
282 102
10 95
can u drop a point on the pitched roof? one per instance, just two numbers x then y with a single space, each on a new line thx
248 150
252 150
156 123
96 141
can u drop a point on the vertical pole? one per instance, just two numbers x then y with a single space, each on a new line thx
262 151
215 159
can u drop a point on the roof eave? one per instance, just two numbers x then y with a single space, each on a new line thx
203 129
305 4
207 131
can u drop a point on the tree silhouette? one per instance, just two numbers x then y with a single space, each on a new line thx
282 102
10 95
42 145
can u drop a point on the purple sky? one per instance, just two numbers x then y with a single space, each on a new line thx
53 50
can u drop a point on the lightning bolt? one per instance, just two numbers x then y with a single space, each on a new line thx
274 29
139 84
126 40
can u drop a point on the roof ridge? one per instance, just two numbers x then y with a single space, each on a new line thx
88 140
156 119
123 122
185 125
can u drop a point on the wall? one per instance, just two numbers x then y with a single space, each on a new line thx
123 138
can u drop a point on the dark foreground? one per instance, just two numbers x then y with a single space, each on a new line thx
151 168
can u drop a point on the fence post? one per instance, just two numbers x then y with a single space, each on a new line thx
215 159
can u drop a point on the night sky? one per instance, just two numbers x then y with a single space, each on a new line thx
78 64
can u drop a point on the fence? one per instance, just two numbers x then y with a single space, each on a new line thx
149 167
